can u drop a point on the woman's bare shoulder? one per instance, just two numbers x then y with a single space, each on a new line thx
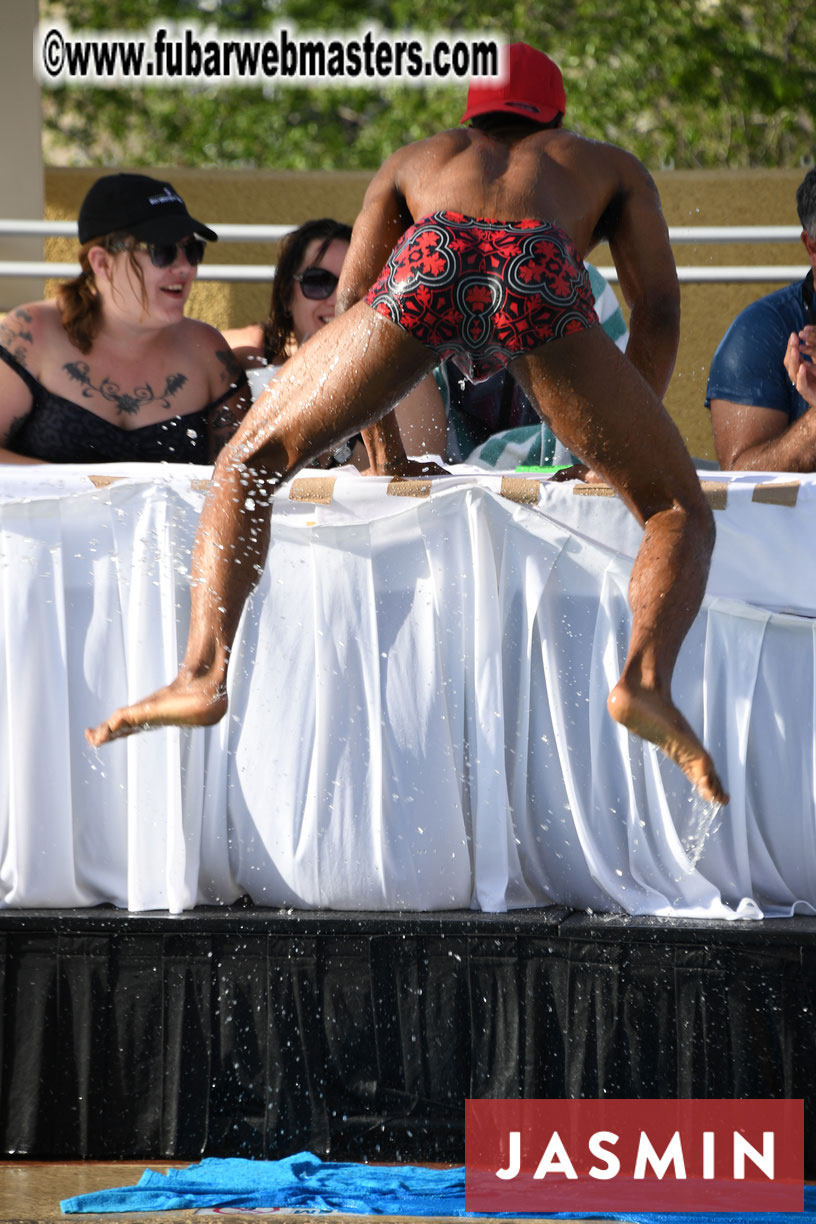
200 339
211 350
247 344
30 322
249 337
30 331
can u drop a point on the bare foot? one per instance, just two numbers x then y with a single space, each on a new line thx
184 703
646 714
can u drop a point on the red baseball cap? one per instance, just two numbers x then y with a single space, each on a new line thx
531 86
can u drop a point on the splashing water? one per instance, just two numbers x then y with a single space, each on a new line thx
704 813
96 759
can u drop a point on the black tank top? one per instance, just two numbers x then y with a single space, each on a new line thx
59 431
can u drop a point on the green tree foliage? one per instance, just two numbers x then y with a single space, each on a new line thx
693 83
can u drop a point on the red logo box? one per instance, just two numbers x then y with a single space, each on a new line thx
619 1155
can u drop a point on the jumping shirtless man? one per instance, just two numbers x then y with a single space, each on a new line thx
470 244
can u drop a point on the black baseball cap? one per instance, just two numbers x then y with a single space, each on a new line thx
139 205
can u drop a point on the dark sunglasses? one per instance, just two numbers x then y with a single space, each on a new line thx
163 254
316 283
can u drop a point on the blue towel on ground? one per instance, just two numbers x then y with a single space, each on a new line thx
306 1182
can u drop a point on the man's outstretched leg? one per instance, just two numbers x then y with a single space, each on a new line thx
349 374
228 555
605 412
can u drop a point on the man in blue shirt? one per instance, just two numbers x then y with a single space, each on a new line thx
760 420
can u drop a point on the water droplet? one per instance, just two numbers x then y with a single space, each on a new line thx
704 812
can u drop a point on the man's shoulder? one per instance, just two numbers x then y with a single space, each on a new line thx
748 364
410 158
601 164
455 138
784 306
789 296
598 150
764 324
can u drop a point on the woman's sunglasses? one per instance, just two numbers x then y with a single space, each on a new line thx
316 283
163 254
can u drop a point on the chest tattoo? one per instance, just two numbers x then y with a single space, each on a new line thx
126 402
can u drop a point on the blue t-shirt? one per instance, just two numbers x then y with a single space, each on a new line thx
748 366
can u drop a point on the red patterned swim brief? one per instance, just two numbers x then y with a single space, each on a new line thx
484 292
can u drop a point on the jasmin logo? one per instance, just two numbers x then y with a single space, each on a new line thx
654 1155
671 1162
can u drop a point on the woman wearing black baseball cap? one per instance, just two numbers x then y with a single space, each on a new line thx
113 370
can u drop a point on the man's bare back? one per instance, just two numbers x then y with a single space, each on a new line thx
603 406
508 175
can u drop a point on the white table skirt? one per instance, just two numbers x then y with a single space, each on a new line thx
417 715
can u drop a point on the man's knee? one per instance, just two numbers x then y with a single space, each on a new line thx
692 513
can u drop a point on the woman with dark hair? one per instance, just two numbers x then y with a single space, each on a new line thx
112 370
304 295
303 298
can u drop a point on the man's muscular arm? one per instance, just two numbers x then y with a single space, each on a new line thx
638 238
749 438
382 220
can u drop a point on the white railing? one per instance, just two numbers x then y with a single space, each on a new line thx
208 272
679 235
68 229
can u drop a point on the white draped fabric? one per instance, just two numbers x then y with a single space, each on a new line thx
417 702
